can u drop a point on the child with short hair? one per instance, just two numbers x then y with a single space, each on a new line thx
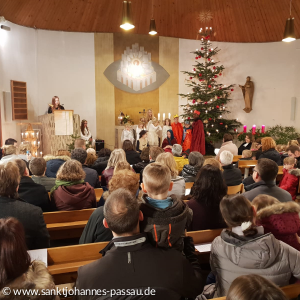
290 180
246 155
165 218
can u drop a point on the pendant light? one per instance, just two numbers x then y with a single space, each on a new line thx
289 31
126 16
152 29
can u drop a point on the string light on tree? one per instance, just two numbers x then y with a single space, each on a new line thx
214 96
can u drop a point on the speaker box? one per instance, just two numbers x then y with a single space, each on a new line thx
99 145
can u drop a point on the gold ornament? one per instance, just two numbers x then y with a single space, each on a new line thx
216 97
205 16
199 100
226 126
205 121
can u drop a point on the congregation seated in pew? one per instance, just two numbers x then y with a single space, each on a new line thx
101 162
232 176
190 170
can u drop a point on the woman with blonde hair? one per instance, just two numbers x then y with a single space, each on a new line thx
256 287
70 191
94 230
116 156
178 181
268 147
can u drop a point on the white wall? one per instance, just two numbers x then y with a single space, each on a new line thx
274 68
52 63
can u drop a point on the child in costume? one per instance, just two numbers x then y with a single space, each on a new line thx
154 129
127 134
167 126
187 137
177 129
140 127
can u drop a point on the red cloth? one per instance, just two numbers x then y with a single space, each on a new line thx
166 143
198 137
289 182
177 131
187 141
283 226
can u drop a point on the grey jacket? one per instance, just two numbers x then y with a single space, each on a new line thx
233 256
178 187
47 182
267 188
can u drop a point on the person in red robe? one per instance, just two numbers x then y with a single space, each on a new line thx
187 137
177 129
198 135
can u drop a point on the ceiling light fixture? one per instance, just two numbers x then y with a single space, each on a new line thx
126 16
289 31
152 29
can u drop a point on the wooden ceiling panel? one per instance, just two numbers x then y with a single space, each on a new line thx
233 20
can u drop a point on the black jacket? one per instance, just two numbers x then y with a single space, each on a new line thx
34 193
243 147
50 109
189 173
133 157
31 217
133 263
272 154
100 166
94 231
91 177
232 175
140 166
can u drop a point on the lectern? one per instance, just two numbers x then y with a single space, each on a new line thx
57 130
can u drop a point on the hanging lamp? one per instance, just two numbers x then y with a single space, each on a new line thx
152 29
126 16
289 31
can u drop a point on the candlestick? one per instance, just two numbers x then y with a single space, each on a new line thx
158 116
263 129
253 129
169 115
245 128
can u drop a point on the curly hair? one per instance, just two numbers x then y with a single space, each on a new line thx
91 158
9 150
167 159
9 179
213 162
71 170
126 179
267 143
122 165
165 122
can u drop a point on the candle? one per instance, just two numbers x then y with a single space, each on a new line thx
263 128
22 134
33 134
164 116
158 116
41 152
169 115
37 135
38 142
253 129
26 133
245 128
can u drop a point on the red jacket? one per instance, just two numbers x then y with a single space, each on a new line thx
282 220
290 181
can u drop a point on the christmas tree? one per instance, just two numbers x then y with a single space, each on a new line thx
208 96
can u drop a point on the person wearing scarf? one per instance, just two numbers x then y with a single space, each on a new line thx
70 191
168 142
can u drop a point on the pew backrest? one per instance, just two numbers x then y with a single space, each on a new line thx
232 190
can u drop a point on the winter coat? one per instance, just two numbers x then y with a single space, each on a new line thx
180 162
233 256
100 166
47 182
272 154
131 263
74 197
232 175
282 220
178 187
5 159
267 188
94 231
189 173
53 163
31 217
140 166
229 146
106 176
34 193
166 227
244 146
290 181
133 157
37 278
91 177
205 216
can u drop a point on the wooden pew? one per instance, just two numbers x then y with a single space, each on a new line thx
67 224
232 190
245 165
98 193
236 158
292 291
189 185
63 262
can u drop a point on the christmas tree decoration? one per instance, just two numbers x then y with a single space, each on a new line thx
214 96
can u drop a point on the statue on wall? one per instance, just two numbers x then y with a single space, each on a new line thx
248 90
